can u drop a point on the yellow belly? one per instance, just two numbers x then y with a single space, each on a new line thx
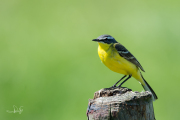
116 63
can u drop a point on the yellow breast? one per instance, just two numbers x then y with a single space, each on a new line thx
111 58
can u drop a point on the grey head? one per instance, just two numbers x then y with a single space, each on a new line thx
108 39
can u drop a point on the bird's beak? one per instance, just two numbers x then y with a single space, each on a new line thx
96 40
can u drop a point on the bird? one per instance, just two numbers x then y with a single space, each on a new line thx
118 59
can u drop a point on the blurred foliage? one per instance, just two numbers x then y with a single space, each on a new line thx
49 65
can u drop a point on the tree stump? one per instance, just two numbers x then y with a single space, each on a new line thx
120 104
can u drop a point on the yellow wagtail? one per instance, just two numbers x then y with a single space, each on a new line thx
118 59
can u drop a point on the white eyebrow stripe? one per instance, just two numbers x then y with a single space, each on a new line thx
110 38
106 38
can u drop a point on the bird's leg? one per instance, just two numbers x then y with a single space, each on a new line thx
125 80
118 81
114 86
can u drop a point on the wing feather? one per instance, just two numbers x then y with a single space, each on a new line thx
123 52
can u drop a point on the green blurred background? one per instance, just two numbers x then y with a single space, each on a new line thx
49 65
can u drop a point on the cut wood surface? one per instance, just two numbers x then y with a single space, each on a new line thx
120 104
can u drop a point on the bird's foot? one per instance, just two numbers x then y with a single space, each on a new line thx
110 88
113 87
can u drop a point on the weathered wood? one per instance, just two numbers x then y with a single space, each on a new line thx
120 104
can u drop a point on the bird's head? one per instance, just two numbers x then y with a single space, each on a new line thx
106 39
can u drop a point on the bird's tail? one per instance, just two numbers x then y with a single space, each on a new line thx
147 87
